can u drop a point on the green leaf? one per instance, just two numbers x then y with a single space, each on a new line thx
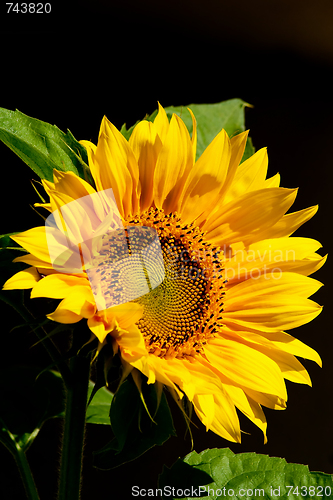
42 146
211 118
128 132
134 431
98 411
243 477
28 397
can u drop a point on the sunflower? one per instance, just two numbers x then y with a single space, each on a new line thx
211 327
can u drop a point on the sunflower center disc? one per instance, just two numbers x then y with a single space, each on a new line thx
185 309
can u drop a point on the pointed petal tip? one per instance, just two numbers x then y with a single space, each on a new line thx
319 361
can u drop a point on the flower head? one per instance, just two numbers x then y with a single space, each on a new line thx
230 280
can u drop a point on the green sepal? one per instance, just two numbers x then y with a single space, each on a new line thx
134 431
101 359
128 132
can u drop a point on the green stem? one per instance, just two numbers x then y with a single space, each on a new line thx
74 430
25 471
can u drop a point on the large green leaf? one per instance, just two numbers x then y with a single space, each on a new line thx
245 476
42 146
134 430
211 118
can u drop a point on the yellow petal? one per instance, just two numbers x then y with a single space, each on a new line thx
146 146
290 367
250 176
113 165
264 256
78 218
206 178
191 378
126 314
280 352
309 265
159 369
289 344
273 181
267 285
237 143
246 218
290 248
269 304
34 241
246 366
161 123
98 329
91 150
47 185
173 166
268 400
77 305
131 343
62 315
100 326
127 334
274 313
225 421
47 206
289 223
276 340
120 321
23 279
202 379
194 137
57 198
204 406
248 406
71 184
239 270
57 286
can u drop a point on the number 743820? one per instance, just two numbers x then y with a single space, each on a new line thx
309 491
29 8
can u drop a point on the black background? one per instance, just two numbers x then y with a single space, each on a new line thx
119 59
